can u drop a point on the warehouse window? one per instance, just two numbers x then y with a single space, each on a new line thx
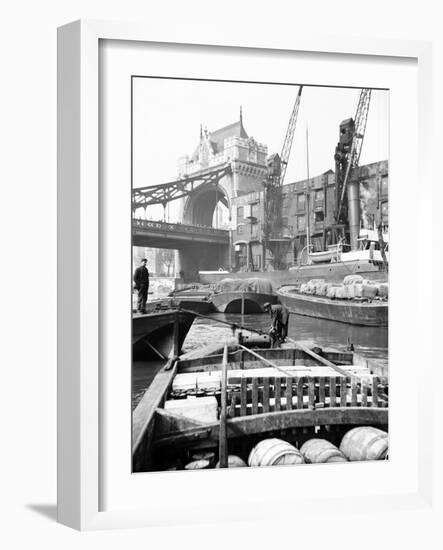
301 202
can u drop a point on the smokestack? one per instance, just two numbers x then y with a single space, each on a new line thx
354 212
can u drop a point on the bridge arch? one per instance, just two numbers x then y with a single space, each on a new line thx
200 206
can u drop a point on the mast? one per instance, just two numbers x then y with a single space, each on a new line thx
308 192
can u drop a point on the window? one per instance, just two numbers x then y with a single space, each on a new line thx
319 195
384 185
301 202
254 229
384 211
319 216
284 221
240 229
240 211
257 261
301 224
254 210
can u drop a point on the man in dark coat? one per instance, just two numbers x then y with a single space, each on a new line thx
141 284
279 322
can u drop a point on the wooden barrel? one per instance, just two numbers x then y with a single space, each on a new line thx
273 452
234 462
365 443
316 451
201 464
204 455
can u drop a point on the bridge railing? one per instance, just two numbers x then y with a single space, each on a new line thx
177 227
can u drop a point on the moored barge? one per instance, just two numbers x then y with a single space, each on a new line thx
237 399
355 312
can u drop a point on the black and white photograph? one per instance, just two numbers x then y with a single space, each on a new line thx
260 262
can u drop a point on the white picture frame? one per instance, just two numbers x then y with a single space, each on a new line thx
82 286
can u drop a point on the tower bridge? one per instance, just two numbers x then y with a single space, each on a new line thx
226 164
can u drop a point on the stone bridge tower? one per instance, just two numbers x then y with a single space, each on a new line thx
247 158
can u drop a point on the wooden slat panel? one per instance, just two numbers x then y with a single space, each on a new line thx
300 393
354 391
364 393
277 394
288 393
254 395
311 393
343 390
375 391
322 390
243 397
266 395
332 391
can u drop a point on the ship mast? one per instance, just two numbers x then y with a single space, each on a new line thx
308 193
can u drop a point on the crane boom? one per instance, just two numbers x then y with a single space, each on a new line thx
289 137
351 157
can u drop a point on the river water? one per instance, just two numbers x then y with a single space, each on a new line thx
369 341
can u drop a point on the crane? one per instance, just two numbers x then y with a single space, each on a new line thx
347 156
289 137
277 165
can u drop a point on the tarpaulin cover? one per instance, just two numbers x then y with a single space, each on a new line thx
262 286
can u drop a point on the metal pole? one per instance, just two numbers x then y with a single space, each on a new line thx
308 192
223 440
242 307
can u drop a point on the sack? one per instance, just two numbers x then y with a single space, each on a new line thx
383 290
340 292
358 291
331 291
369 291
322 289
350 289
352 279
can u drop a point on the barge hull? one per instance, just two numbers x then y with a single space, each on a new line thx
369 315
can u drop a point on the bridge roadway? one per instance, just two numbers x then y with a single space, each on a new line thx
158 234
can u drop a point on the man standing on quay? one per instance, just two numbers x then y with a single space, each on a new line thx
141 280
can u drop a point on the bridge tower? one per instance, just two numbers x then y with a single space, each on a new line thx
247 158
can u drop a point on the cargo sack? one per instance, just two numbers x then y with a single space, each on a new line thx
322 289
358 291
352 279
313 284
369 291
383 290
350 290
331 292
340 292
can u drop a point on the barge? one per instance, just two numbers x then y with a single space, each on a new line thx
243 296
355 312
200 409
158 334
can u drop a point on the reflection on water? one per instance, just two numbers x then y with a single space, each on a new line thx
369 341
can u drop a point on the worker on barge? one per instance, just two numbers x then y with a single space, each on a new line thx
279 323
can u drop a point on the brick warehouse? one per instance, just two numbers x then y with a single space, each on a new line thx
319 199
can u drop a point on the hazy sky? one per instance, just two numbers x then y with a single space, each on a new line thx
168 114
